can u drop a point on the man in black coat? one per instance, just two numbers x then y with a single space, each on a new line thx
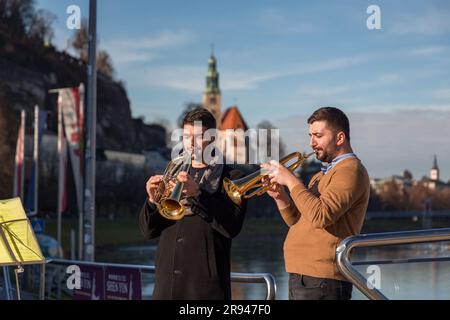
193 257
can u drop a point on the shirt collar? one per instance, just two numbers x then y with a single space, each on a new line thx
326 167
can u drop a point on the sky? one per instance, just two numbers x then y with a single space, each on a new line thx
281 60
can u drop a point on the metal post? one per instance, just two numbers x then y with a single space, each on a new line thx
60 173
42 283
91 119
72 244
36 158
18 270
22 174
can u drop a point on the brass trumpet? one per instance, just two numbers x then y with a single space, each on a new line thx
238 189
169 202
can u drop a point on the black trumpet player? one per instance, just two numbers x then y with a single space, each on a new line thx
193 256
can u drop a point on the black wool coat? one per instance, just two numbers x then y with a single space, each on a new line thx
193 256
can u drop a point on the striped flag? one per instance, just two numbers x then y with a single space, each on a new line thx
19 164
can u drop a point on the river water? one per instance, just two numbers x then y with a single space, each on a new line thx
424 280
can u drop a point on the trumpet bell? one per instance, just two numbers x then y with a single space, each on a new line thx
171 209
232 191
169 206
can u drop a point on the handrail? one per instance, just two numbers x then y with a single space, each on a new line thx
240 277
266 278
397 261
381 239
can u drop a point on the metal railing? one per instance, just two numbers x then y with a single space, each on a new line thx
265 278
381 239
10 292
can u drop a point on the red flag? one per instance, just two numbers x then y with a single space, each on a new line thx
70 101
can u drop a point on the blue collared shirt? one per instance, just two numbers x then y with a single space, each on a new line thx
328 166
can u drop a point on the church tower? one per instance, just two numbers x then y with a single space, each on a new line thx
434 172
211 96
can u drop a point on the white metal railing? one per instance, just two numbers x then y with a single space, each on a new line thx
381 239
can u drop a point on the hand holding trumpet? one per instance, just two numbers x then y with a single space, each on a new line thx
152 185
259 182
190 187
277 192
278 174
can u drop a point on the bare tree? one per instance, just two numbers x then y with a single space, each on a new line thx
441 198
16 15
407 175
80 41
7 120
41 26
104 63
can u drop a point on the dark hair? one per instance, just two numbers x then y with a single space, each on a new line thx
200 114
335 118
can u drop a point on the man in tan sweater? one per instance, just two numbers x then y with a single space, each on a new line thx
331 208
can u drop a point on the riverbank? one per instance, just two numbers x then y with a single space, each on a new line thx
121 231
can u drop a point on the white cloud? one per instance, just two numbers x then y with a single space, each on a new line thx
244 81
131 50
185 78
443 93
328 65
142 49
324 91
333 92
128 56
163 40
431 50
311 68
191 78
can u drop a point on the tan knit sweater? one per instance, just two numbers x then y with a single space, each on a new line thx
331 209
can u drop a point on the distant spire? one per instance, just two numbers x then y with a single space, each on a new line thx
435 165
212 77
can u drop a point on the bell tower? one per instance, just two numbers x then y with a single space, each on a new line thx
434 172
211 95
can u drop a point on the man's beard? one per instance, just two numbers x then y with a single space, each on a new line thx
323 156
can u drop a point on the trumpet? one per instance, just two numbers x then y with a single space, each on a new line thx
169 202
239 189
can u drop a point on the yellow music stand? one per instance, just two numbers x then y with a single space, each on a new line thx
18 244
